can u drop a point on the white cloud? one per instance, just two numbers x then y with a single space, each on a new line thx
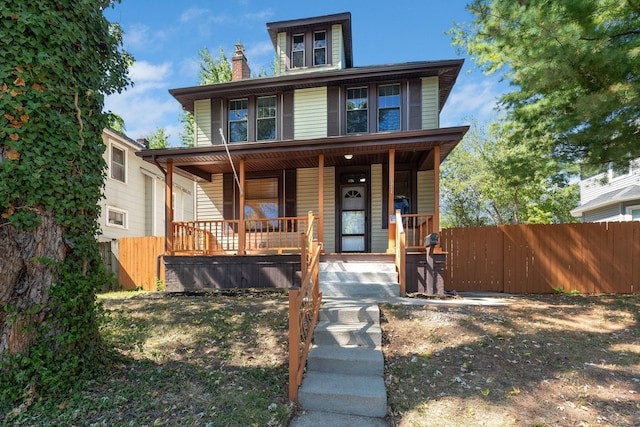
191 14
139 37
476 99
261 15
143 71
259 49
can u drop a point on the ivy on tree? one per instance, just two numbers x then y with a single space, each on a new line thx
59 59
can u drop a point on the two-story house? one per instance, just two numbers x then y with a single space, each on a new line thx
610 196
350 144
134 196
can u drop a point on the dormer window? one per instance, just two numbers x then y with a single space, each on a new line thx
297 51
320 48
238 115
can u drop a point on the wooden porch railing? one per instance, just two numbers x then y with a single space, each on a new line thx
221 236
416 228
401 252
304 305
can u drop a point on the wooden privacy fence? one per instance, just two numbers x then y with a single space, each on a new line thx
139 263
588 258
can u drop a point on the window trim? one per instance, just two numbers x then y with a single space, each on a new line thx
325 32
274 118
399 107
229 121
303 50
125 157
346 110
628 212
125 219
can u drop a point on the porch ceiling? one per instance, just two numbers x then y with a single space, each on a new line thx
412 147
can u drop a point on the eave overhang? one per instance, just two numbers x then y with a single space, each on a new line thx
411 147
446 70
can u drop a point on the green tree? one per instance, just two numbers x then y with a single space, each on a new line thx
575 69
212 70
59 59
116 122
488 179
158 139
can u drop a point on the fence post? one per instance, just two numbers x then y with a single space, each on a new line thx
294 343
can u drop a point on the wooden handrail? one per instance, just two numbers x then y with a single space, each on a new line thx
304 306
401 252
261 235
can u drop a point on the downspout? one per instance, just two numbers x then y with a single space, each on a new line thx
159 256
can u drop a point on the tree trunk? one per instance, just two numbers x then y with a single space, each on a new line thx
28 262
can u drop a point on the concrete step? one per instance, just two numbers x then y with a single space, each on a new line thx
349 312
344 394
359 276
355 334
349 360
355 290
357 266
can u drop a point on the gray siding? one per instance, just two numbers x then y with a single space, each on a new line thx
612 213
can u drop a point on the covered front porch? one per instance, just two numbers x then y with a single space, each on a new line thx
346 191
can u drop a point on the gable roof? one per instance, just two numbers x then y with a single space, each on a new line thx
626 194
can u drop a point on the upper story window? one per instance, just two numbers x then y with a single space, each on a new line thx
320 48
238 114
357 110
297 51
266 118
118 163
389 107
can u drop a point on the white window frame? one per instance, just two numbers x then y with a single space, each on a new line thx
629 210
610 173
125 218
399 107
274 117
125 154
356 109
315 48
303 50
245 120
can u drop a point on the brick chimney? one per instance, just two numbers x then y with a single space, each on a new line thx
239 66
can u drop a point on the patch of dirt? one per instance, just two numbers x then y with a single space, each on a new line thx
550 360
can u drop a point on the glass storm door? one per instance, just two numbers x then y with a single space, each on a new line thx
353 219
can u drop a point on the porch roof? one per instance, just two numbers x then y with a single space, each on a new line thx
411 147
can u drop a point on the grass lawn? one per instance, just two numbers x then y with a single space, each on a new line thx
221 360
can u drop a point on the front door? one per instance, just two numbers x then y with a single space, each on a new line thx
353 204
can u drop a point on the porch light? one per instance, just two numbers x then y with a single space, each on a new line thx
348 156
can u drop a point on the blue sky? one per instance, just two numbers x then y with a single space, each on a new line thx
165 36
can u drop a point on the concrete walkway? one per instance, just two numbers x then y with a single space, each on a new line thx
337 286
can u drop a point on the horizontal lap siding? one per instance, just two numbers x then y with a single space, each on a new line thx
202 122
430 103
586 258
379 236
329 243
337 47
426 194
310 113
209 200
